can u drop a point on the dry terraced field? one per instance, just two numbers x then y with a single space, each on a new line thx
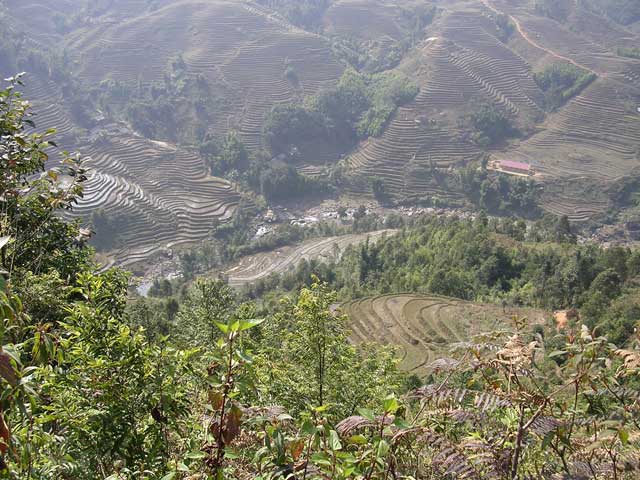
461 64
425 327
255 267
237 44
594 140
163 192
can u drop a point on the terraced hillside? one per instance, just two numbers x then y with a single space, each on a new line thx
594 140
155 194
462 54
463 63
255 267
237 44
425 328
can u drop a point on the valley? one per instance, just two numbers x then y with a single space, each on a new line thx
320 239
222 66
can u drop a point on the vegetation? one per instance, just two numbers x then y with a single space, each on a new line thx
382 54
499 194
491 126
505 27
358 107
629 52
503 261
211 387
226 155
561 82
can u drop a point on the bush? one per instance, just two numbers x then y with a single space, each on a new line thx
491 126
561 82
358 107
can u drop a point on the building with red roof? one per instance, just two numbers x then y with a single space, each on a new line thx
515 167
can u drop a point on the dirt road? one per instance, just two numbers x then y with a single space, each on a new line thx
535 44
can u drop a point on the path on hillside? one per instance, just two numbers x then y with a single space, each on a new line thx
532 42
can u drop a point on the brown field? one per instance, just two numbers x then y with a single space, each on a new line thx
425 327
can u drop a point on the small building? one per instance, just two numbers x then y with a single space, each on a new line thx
515 167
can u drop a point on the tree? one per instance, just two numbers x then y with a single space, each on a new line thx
308 362
225 155
83 395
207 302
563 231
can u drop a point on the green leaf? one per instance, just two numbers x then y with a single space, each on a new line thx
383 448
308 428
358 439
321 459
247 324
244 356
231 455
624 436
401 423
557 353
390 404
368 414
334 441
170 476
222 327
195 455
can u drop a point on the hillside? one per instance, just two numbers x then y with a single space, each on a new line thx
426 328
201 380
255 267
555 85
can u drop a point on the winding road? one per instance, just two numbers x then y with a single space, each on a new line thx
535 44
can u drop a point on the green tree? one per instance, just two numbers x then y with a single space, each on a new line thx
207 302
308 362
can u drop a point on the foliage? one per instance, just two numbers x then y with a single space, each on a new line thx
225 155
40 241
561 82
493 410
377 55
91 387
491 126
629 52
281 182
286 125
499 194
107 228
308 362
505 26
503 261
82 395
358 107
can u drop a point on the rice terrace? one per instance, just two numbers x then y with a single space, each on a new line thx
425 328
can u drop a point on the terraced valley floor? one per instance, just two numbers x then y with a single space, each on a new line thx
259 266
162 190
425 328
